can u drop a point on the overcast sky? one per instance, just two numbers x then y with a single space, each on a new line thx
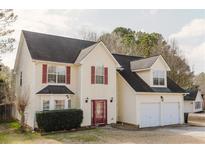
186 26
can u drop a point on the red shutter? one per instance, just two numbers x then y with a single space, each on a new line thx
92 74
68 74
105 75
44 73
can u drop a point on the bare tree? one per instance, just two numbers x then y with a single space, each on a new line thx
7 17
22 103
88 35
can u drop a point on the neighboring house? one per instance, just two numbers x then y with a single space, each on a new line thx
193 101
61 73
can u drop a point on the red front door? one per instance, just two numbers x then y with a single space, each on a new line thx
99 112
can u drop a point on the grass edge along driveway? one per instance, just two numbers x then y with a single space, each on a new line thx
10 134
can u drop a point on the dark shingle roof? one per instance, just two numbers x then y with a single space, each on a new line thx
55 89
137 83
191 96
85 52
54 48
143 63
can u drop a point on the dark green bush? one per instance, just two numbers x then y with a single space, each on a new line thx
55 120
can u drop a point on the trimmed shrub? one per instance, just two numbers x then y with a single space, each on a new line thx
55 120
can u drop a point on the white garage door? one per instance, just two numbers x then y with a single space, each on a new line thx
150 115
156 114
170 113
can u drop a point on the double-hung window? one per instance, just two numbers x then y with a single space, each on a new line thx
56 74
158 78
60 104
69 103
100 75
46 105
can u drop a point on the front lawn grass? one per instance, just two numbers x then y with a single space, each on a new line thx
10 133
85 136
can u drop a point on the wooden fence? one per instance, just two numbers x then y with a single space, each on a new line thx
7 112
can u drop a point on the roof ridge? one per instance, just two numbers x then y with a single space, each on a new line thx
119 54
57 36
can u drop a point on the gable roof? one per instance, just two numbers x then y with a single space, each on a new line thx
143 63
85 52
55 89
136 82
54 48
146 63
192 95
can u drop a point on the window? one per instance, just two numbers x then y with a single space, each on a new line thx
60 104
69 104
100 74
56 74
159 78
197 105
46 105
20 78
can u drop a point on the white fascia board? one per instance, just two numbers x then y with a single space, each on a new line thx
51 62
157 93
18 51
139 70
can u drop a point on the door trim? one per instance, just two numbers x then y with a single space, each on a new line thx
92 109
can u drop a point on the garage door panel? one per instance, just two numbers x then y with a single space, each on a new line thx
150 116
156 114
170 113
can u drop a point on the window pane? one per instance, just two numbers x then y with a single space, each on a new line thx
45 105
60 104
155 74
69 103
155 81
197 105
100 75
61 70
159 77
100 70
161 81
52 69
161 74
99 79
51 78
61 74
61 78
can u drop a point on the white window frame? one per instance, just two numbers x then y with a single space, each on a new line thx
46 101
56 103
69 104
165 80
56 74
101 74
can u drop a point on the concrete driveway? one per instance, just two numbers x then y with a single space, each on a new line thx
163 135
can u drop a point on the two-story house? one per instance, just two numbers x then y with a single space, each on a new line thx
61 73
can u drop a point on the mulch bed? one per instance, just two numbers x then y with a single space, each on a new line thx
66 131
125 126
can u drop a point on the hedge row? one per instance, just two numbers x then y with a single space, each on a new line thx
55 120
